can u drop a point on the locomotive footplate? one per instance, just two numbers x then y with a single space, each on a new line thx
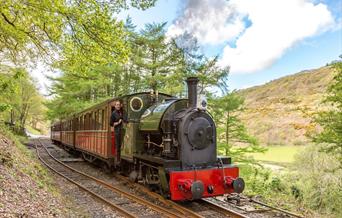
157 161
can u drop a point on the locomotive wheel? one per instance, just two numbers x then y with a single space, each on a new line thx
152 181
163 193
107 168
88 157
152 177
67 148
133 176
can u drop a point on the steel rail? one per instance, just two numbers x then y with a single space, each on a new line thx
275 208
270 208
224 210
116 207
185 211
135 198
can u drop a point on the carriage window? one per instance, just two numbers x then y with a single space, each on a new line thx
98 120
103 120
82 122
91 116
80 125
93 119
85 122
89 121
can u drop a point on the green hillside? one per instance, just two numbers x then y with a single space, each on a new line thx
279 112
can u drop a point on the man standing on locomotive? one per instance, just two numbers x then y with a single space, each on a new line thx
116 120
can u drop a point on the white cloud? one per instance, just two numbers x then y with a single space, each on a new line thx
276 26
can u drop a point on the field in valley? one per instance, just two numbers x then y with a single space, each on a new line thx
279 154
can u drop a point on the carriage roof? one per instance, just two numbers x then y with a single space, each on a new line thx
101 104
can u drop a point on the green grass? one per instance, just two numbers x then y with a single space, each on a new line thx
279 154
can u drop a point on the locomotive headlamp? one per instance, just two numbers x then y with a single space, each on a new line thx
202 103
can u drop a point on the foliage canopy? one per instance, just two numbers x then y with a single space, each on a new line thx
45 28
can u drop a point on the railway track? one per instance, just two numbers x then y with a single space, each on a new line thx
114 197
224 212
225 208
213 207
248 207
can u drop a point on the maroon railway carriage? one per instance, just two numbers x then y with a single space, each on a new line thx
168 144
90 133
56 132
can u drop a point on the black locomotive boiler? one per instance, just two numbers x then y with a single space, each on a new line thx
168 144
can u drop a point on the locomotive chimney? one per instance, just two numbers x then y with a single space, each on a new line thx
192 91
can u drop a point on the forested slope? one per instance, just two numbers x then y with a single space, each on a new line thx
279 112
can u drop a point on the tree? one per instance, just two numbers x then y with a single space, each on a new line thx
154 62
232 136
331 120
83 84
194 63
40 28
156 58
8 85
20 96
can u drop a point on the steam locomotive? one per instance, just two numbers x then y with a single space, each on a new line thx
168 144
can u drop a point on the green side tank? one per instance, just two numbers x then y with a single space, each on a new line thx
152 117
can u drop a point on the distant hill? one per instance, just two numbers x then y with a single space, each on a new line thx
278 112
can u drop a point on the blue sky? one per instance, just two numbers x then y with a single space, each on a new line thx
306 50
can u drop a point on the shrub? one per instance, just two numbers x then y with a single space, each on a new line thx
312 185
318 181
